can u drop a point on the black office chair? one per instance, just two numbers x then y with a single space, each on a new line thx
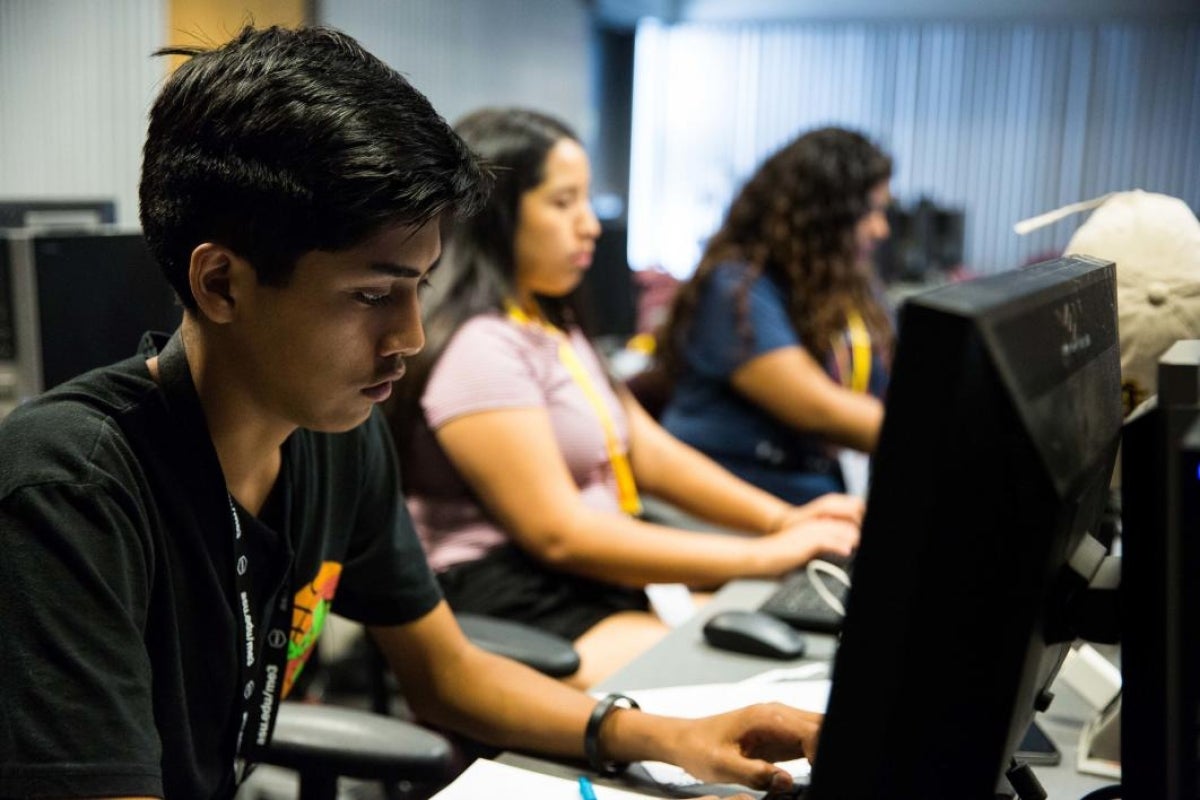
548 653
545 652
323 742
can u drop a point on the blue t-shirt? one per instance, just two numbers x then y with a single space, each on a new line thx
709 414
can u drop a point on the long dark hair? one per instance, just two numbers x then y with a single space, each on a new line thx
478 265
794 220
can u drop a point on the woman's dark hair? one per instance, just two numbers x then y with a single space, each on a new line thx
281 142
794 220
476 272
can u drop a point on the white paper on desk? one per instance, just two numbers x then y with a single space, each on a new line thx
672 602
486 778
706 699
856 471
716 698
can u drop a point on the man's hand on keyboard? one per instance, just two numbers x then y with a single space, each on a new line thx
749 741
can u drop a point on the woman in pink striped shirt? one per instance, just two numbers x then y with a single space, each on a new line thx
524 461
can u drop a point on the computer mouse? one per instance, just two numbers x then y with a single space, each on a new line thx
755 633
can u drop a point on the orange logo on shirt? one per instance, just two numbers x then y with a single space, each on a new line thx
310 609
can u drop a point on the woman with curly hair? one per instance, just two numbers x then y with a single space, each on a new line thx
778 345
524 463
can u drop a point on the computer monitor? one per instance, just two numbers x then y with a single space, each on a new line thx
606 295
58 213
71 301
1160 586
926 241
1001 428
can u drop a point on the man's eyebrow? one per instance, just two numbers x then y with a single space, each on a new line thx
401 270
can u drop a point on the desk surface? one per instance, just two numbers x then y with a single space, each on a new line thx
683 657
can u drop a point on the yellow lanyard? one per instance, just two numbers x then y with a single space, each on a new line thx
627 494
860 353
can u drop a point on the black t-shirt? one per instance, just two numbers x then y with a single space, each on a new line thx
119 644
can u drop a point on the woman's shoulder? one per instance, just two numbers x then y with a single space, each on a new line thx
491 343
730 272
487 330
737 278
487 322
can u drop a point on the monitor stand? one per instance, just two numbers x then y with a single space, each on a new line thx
1100 743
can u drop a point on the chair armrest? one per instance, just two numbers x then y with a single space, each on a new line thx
545 652
341 741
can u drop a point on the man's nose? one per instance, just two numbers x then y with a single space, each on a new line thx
407 335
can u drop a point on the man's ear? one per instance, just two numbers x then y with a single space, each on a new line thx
217 277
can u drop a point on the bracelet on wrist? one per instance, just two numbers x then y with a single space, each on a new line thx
591 734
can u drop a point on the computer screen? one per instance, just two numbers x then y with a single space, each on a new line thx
75 300
1001 428
1160 593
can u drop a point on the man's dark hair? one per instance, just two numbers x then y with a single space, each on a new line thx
283 141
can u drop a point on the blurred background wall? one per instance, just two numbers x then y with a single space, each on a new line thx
999 109
998 119
77 77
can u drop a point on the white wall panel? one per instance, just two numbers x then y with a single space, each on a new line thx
465 54
908 10
77 79
76 82
1002 120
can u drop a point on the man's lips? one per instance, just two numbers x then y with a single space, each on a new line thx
383 389
379 392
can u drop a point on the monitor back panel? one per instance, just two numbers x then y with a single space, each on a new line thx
78 300
70 213
972 512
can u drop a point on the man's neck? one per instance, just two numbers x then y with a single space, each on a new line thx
246 440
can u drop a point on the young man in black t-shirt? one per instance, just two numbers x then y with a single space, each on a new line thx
174 528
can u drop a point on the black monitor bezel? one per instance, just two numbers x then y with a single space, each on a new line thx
915 711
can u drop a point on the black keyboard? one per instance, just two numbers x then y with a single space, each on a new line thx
797 602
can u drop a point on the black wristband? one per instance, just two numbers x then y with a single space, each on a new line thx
591 734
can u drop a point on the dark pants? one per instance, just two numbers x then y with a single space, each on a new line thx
509 584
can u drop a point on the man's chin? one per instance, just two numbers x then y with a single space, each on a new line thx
340 423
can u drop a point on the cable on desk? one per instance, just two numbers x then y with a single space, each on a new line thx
817 566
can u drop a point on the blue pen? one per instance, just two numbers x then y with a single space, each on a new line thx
586 792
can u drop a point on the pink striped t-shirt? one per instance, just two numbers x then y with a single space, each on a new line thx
492 363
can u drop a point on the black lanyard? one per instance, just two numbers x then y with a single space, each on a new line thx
260 669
